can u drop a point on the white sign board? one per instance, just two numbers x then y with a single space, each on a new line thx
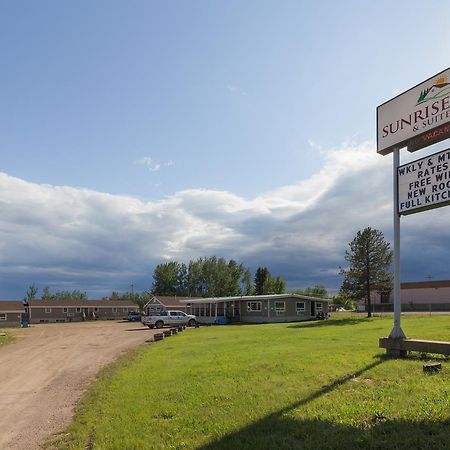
424 184
417 117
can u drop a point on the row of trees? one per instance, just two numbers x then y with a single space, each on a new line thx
213 277
315 291
369 259
58 295
140 298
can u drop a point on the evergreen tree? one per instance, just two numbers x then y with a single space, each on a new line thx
369 258
247 286
279 285
262 273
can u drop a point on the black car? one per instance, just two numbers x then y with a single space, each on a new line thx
134 316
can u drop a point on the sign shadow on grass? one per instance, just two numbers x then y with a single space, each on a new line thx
281 430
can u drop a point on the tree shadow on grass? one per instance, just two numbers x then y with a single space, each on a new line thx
280 430
331 323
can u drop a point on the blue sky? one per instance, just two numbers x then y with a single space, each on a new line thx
137 132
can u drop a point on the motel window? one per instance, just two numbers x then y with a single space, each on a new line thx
2 316
65 310
48 310
300 307
152 309
78 309
114 310
125 309
319 307
95 309
254 306
280 308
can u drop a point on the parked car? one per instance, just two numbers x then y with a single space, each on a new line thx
134 316
169 318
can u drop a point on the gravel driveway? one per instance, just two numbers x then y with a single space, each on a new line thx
47 368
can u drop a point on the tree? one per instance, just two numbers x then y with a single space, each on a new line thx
166 278
316 291
246 283
114 296
63 295
261 275
142 298
46 293
370 258
265 284
31 292
344 301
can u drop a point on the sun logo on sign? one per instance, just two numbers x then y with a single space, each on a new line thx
439 89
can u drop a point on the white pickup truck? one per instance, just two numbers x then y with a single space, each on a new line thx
171 318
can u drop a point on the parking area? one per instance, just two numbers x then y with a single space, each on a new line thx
47 368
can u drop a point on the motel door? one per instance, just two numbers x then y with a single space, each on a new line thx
313 309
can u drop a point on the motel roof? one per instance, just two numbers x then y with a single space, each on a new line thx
425 284
253 297
81 304
11 306
174 301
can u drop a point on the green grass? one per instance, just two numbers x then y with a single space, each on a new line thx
5 339
314 385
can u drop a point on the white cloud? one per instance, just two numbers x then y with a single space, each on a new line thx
99 242
152 165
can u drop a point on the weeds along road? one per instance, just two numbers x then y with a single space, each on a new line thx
47 368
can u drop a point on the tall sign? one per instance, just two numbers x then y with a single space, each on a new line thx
416 118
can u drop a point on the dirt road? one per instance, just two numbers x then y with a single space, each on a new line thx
46 370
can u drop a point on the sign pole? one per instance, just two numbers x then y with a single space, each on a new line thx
397 332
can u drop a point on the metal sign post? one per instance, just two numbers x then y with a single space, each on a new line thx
397 331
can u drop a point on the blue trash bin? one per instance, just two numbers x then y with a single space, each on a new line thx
222 320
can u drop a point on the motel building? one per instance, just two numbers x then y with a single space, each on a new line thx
419 296
48 311
11 313
256 308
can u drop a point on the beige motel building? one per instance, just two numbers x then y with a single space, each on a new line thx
418 296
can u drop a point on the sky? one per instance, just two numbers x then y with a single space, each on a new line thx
139 132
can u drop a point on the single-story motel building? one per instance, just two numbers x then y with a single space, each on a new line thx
45 311
244 309
219 310
11 313
417 296
256 308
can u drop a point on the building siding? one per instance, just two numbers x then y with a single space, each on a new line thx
289 315
57 313
13 319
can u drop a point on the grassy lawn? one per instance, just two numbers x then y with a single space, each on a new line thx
5 339
314 385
